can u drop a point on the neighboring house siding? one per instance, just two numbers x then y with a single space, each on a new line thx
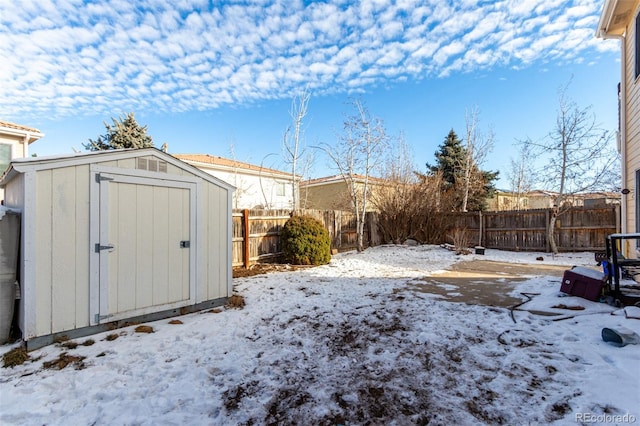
256 187
333 193
17 147
14 143
256 191
632 125
331 196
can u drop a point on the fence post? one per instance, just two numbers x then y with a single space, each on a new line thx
546 231
337 217
245 221
481 230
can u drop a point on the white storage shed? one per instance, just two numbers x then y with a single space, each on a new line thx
113 237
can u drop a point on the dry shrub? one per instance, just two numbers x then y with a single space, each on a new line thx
69 344
459 237
111 337
64 360
175 321
143 329
236 301
17 356
412 207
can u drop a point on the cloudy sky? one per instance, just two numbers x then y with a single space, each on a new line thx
218 77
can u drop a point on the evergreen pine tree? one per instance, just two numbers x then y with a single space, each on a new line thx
124 133
450 160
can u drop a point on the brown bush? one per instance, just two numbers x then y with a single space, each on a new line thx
413 208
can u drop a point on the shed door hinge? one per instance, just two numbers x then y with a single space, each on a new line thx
99 317
100 178
99 247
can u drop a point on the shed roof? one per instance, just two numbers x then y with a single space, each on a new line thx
21 165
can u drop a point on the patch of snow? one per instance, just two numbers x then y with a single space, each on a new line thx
347 343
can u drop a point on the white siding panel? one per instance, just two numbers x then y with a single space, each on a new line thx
222 250
178 258
144 246
14 192
127 163
113 271
213 253
160 246
63 249
173 170
186 253
43 241
83 246
217 255
126 247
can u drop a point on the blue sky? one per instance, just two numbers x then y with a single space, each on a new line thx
218 77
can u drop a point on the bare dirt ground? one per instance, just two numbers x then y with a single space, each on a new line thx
483 282
453 377
265 268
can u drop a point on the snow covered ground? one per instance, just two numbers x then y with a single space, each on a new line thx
346 343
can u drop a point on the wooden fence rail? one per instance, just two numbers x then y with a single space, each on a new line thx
579 229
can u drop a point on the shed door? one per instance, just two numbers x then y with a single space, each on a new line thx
146 233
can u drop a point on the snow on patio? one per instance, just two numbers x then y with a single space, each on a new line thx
347 343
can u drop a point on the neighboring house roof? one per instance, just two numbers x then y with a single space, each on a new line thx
615 16
602 194
227 164
31 133
339 178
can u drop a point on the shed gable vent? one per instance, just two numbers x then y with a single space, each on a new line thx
152 165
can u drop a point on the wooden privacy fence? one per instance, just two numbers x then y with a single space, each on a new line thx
262 241
579 229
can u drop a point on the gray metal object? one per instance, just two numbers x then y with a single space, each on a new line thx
99 247
9 247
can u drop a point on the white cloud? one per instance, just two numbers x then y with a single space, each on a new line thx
66 56
392 56
444 53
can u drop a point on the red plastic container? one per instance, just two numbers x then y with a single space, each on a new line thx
583 282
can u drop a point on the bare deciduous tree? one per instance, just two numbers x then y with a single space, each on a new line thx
358 152
477 146
579 157
521 174
294 152
268 198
